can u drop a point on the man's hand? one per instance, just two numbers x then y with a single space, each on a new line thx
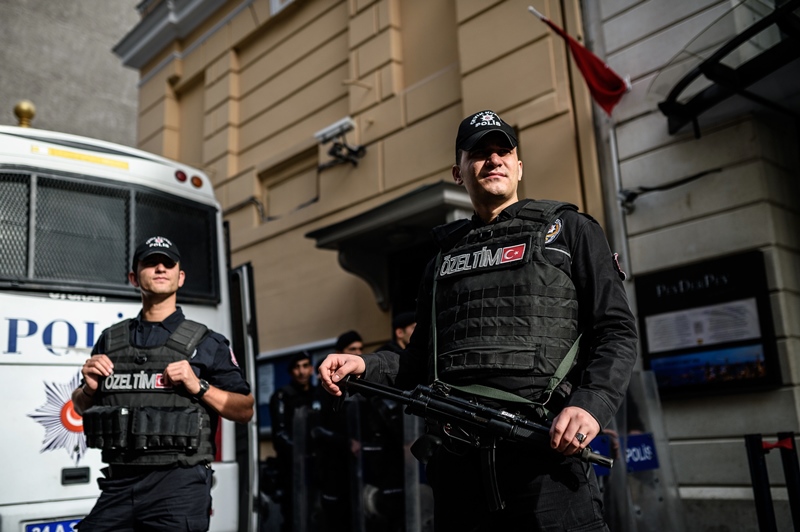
94 368
567 425
335 367
230 405
181 373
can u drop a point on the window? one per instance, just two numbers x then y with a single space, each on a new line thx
73 233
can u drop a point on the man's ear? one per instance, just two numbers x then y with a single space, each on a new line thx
132 279
181 278
519 178
457 175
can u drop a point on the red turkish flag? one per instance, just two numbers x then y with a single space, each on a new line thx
512 253
605 85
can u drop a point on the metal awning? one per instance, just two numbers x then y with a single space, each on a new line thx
365 241
748 59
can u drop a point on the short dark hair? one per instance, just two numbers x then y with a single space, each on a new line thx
297 358
346 339
403 320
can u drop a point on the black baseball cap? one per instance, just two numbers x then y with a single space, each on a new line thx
346 339
155 245
474 127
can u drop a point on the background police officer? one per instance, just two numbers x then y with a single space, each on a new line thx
282 407
512 290
402 328
159 475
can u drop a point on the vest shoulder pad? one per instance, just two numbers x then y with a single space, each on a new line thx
187 337
118 336
448 235
544 210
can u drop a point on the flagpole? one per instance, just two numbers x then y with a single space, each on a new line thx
536 13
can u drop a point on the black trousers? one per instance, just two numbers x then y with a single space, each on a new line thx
543 491
176 499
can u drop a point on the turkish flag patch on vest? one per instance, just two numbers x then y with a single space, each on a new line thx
483 258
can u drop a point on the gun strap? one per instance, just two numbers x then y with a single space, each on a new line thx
493 393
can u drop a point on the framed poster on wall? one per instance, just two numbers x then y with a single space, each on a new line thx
707 327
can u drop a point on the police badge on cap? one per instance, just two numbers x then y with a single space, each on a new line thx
155 245
473 128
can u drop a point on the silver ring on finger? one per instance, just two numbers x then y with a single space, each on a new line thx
580 437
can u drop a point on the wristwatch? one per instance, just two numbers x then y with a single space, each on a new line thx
203 389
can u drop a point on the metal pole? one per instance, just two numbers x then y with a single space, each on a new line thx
791 472
760 478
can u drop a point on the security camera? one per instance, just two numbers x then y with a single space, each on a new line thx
334 130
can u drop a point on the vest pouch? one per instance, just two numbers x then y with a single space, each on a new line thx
106 427
166 428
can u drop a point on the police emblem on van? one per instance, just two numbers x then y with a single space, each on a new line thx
63 425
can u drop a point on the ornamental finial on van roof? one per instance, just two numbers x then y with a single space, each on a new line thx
25 111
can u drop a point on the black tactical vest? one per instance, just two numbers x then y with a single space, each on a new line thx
137 419
500 306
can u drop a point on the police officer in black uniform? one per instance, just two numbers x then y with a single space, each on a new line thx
151 398
402 328
282 407
513 290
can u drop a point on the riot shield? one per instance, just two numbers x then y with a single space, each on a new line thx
352 411
305 496
640 492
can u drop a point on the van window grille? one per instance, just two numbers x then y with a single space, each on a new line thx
85 231
14 192
81 232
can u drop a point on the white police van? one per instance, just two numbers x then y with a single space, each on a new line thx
71 212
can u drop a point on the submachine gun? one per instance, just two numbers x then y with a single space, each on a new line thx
481 426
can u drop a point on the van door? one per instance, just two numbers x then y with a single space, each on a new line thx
244 340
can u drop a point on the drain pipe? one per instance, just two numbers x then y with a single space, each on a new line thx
605 135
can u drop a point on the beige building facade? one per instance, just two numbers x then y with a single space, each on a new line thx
243 92
254 92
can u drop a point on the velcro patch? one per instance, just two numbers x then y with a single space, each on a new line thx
488 257
135 382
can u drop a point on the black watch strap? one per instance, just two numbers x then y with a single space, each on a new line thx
203 389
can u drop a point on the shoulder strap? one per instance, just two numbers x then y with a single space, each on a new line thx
487 391
543 211
187 337
561 372
118 337
447 235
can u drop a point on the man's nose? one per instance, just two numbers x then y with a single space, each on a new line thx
495 158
